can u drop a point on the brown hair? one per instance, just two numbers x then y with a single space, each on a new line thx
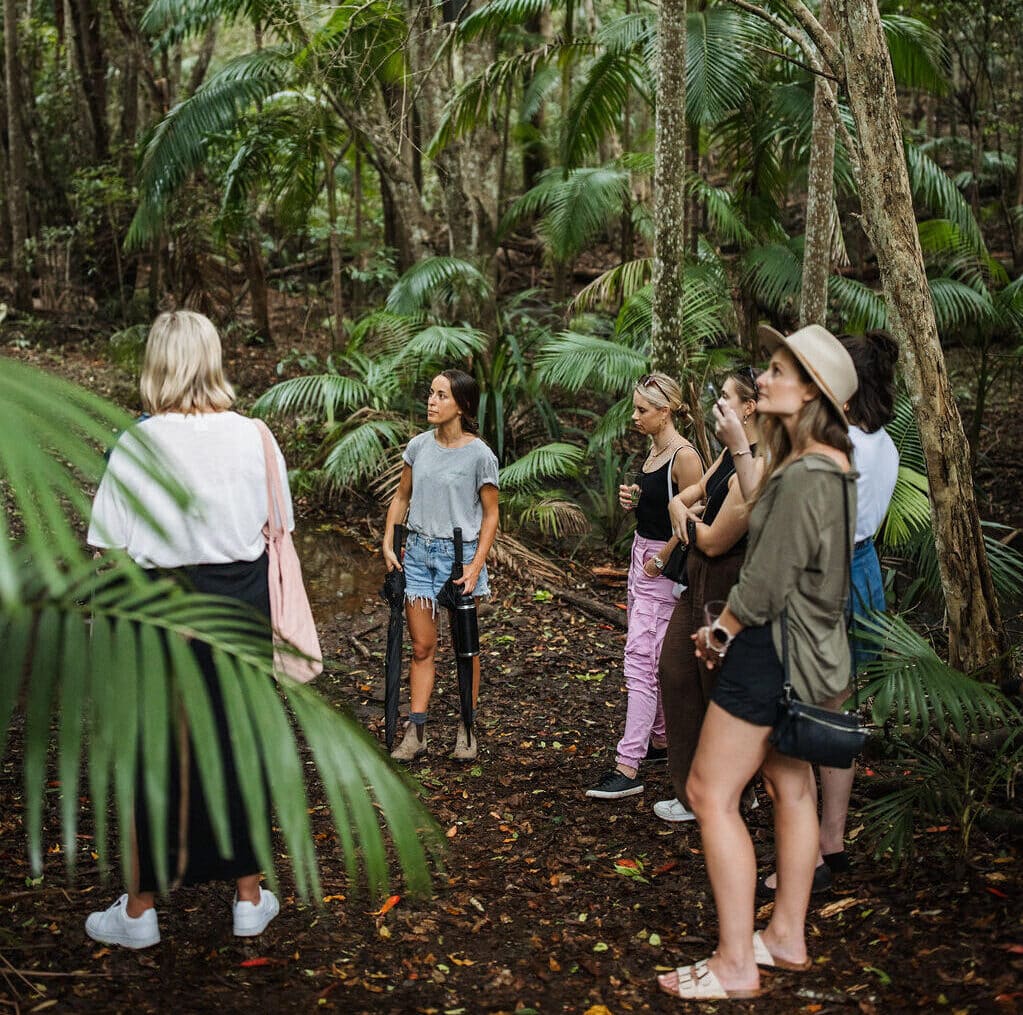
874 355
466 393
818 421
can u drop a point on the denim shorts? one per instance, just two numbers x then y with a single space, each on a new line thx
427 564
867 596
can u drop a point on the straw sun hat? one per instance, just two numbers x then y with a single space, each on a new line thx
823 357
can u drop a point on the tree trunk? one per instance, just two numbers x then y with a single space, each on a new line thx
1017 247
256 275
17 181
337 308
667 345
976 635
92 66
813 296
667 350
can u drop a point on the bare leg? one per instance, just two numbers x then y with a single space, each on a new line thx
248 889
791 786
138 902
422 626
836 787
730 752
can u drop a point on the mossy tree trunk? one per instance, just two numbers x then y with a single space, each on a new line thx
976 634
820 191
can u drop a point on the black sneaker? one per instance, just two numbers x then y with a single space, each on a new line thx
655 755
614 785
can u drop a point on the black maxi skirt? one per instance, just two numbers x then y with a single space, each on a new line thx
193 856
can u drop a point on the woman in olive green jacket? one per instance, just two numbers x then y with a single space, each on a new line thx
798 563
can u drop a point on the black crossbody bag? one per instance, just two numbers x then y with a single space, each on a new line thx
809 732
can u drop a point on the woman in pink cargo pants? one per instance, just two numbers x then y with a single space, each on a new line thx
671 465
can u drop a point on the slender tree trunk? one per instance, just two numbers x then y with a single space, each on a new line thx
1017 247
87 38
17 180
667 350
813 296
976 634
254 271
337 298
667 346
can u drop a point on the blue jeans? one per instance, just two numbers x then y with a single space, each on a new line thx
867 594
427 565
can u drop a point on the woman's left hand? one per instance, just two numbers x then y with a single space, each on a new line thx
470 576
706 649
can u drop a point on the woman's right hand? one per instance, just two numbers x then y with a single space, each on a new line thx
390 560
728 427
628 495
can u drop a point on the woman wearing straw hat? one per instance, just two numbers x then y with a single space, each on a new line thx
797 565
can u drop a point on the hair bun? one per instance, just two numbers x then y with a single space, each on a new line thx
884 348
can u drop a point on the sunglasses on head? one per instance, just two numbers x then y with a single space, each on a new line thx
749 374
651 382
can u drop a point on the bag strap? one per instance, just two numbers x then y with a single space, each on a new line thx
847 609
671 465
274 492
850 549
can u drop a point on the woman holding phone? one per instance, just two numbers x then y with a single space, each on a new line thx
711 517
672 463
789 600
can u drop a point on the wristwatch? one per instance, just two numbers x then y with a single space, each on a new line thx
720 636
658 563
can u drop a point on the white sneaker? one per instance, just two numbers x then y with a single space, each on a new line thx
251 918
673 810
114 926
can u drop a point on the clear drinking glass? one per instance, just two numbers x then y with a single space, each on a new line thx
712 610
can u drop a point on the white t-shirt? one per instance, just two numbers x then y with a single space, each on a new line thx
218 458
876 459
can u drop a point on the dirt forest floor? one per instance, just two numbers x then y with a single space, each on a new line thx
548 902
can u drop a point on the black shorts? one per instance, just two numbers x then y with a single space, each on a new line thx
752 678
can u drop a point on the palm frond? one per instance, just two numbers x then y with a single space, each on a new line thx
909 510
859 306
437 344
323 394
497 16
361 451
909 684
554 516
720 64
957 305
613 286
773 274
933 189
918 53
549 461
181 140
443 279
572 361
598 103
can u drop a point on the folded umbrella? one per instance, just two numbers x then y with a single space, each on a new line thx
393 593
465 633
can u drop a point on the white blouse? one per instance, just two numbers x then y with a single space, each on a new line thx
218 458
876 459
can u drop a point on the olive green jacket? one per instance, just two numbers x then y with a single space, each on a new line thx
799 557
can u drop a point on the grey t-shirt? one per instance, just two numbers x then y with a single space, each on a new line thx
446 486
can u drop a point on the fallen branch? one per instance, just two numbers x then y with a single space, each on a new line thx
609 613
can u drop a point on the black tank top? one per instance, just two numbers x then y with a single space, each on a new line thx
717 488
652 521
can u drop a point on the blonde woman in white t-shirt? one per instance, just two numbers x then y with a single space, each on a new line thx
216 545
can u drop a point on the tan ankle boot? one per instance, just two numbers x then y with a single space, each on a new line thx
411 745
465 751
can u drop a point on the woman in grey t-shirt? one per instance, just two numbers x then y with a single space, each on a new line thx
449 481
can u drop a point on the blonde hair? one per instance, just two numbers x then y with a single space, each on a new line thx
661 391
182 370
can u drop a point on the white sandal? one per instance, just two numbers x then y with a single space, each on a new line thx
764 957
699 983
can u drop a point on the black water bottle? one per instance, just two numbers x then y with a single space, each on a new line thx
464 622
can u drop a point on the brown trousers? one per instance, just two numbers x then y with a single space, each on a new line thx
686 684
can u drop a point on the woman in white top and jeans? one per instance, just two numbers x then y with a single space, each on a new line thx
449 481
216 546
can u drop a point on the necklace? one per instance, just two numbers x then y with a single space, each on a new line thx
672 445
